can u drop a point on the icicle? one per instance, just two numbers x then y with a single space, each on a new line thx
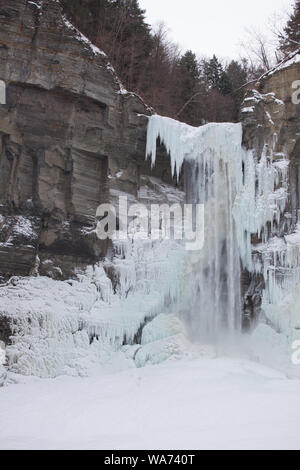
243 196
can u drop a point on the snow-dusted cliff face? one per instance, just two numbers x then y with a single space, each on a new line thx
71 138
271 123
69 135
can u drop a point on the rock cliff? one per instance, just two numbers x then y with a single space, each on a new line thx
70 135
271 122
71 138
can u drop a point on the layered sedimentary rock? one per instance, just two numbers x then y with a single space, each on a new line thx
69 136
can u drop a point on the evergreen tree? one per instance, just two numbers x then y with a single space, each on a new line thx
216 77
291 37
225 85
213 72
190 66
238 75
189 88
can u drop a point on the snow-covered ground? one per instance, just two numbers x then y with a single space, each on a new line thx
200 403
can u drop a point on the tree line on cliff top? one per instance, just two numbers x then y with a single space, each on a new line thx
177 85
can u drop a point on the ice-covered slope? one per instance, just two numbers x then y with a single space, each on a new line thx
67 327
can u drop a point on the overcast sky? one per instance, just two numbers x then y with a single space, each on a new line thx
212 26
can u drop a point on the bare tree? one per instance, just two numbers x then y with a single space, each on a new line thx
259 48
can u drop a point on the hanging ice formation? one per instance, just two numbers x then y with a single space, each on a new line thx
243 196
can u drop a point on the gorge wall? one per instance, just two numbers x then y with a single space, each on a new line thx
271 123
70 136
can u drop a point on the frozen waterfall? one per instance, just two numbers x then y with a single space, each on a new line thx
243 195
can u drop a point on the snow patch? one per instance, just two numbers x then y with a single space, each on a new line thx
162 327
174 347
248 110
83 39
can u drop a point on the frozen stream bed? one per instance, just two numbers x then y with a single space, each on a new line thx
200 403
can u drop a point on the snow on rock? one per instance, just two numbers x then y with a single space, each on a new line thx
83 39
162 327
294 238
122 90
3 376
96 52
39 6
45 315
3 373
163 338
16 229
154 190
250 109
172 347
273 342
274 348
290 60
256 97
69 327
281 270
23 227
284 315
